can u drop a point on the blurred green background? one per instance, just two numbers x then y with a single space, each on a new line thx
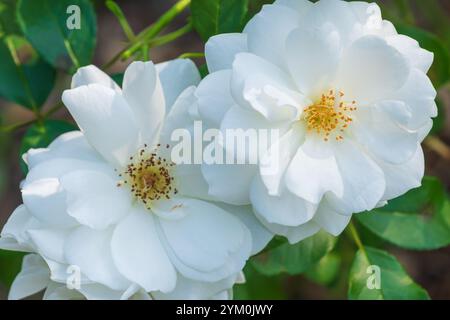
426 20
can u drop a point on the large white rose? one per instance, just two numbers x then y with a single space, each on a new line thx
108 200
350 98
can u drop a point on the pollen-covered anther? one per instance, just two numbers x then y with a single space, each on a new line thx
149 177
329 116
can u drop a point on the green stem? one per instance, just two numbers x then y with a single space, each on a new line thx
438 146
113 60
16 126
165 19
115 9
19 125
71 53
150 32
356 238
53 109
23 78
191 55
145 52
159 41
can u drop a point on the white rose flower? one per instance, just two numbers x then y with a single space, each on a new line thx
350 98
109 201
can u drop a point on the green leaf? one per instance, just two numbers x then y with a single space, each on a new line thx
40 135
203 69
44 23
326 271
8 21
394 282
418 220
26 84
255 6
258 286
118 78
211 17
440 71
296 258
439 121
10 264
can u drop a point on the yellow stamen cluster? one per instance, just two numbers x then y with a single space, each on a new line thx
329 116
149 177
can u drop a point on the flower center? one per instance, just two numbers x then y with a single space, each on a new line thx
329 116
149 177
